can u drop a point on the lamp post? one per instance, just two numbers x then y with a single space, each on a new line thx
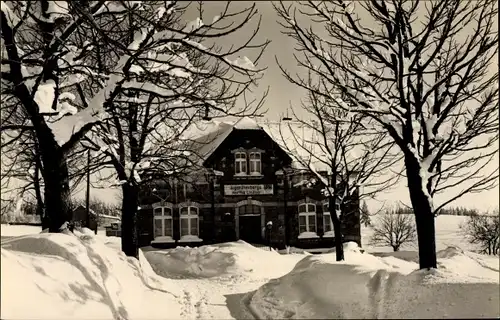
283 174
212 175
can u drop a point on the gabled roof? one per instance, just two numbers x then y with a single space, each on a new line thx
247 123
207 136
299 141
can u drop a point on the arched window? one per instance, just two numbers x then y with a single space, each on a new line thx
163 222
240 163
255 163
189 219
249 209
307 217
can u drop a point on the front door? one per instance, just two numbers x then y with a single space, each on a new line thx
227 227
250 229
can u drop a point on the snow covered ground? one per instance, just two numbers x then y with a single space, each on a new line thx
87 277
59 276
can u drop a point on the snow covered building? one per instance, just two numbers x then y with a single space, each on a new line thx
244 180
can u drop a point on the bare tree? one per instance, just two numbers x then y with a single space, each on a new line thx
394 228
44 56
177 75
21 162
423 71
343 152
483 230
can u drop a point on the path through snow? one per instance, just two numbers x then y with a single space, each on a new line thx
218 281
218 297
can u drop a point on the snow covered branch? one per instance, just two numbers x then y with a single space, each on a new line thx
429 88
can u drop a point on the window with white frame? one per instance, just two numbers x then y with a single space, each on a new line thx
240 163
255 163
307 217
327 218
189 221
163 221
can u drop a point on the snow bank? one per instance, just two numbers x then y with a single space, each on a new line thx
365 286
185 262
8 230
231 258
83 277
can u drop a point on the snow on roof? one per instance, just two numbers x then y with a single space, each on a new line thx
247 123
299 141
295 139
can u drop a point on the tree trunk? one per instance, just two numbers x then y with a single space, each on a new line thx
339 248
395 248
57 193
130 203
424 218
38 190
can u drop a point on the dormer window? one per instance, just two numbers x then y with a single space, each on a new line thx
240 163
255 163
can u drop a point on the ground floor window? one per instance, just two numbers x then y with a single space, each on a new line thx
163 221
307 217
327 218
327 222
189 219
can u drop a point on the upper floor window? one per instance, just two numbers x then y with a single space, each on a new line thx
163 221
240 163
307 217
255 163
189 219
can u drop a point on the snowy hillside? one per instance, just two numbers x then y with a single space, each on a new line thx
447 234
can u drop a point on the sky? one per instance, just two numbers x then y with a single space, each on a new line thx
282 94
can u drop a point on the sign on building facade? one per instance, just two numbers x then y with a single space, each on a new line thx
248 189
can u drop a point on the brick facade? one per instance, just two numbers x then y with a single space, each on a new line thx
219 219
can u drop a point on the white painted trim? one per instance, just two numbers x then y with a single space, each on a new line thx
308 235
164 239
188 203
189 216
163 220
248 201
307 214
241 203
190 238
162 204
240 149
